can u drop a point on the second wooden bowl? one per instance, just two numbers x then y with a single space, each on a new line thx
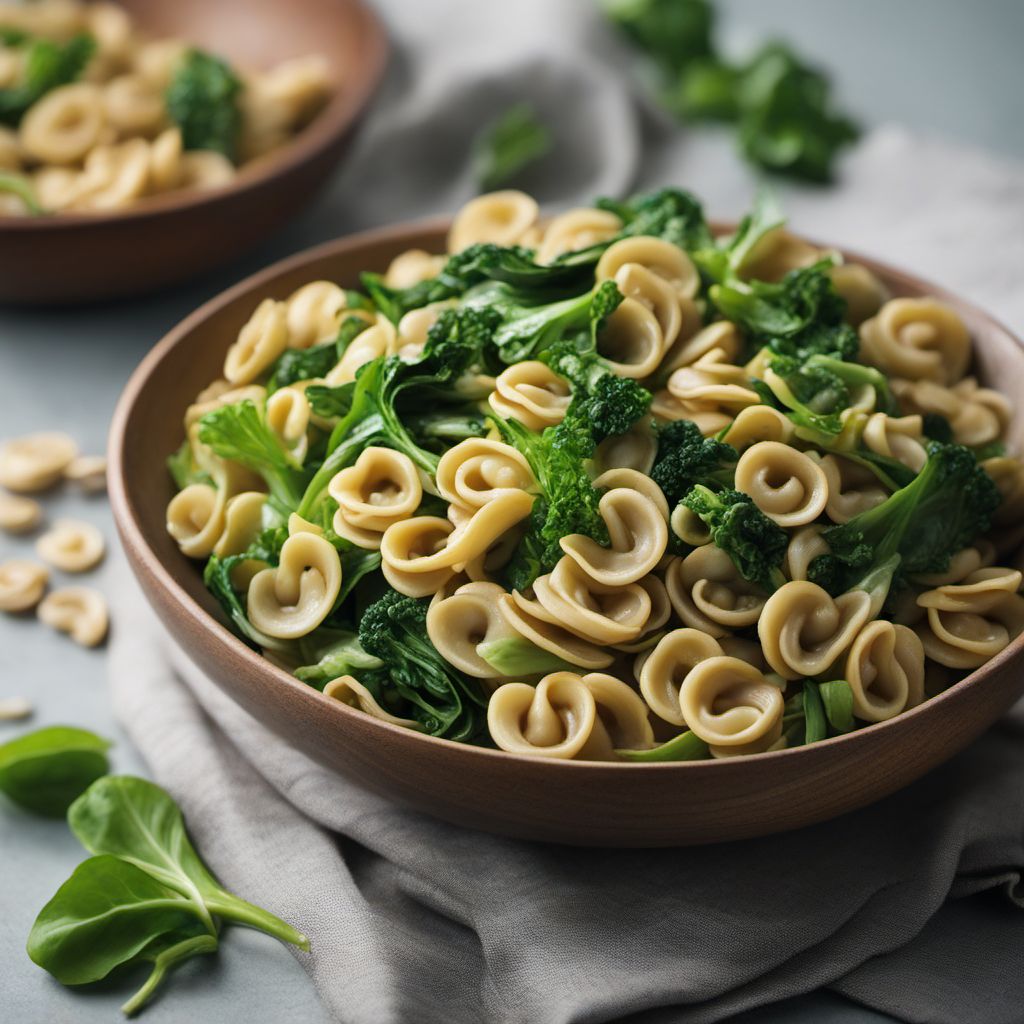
532 798
67 258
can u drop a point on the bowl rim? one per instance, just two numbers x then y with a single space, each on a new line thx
134 541
341 111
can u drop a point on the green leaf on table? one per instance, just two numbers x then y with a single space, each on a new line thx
513 142
45 770
134 819
684 747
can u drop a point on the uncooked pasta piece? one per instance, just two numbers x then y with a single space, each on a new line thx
72 546
35 462
81 612
22 584
19 514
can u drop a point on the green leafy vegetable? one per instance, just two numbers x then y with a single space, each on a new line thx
837 699
686 458
513 142
684 747
19 186
298 364
202 100
43 771
48 65
815 723
674 32
342 656
517 656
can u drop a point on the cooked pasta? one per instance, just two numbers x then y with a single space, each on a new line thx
129 116
572 488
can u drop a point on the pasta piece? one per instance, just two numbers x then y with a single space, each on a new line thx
575 230
634 480
634 450
243 521
499 217
689 527
314 313
35 462
63 126
961 565
917 338
349 691
411 267
977 415
292 599
133 106
476 471
900 439
205 169
885 670
662 258
731 706
852 488
377 340
638 534
72 546
863 291
637 282
621 722
14 708
18 514
713 383
631 340
662 674
532 393
804 631
287 415
804 546
554 719
709 594
758 423
776 253
787 485
429 536
10 148
22 584
551 637
1008 475
111 26
114 176
89 472
660 613
381 488
299 86
195 519
158 59
81 612
220 394
260 342
471 616
414 327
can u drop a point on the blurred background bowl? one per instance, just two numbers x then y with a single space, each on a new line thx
74 257
575 802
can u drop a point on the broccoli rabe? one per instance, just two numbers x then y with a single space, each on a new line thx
47 66
339 653
509 145
202 100
686 457
440 697
755 544
947 505
295 364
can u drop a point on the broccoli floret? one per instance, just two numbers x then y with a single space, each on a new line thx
685 458
202 100
669 213
614 405
946 506
755 544
48 65
441 698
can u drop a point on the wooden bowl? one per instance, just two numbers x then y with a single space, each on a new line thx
84 257
535 798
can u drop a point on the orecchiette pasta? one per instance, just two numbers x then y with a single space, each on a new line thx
260 342
36 461
81 612
885 670
458 624
477 471
19 514
575 230
550 636
661 258
22 584
89 472
499 217
411 267
863 291
851 488
787 485
898 438
709 594
348 690
532 393
553 719
976 415
377 340
634 450
71 546
64 125
758 423
381 488
663 672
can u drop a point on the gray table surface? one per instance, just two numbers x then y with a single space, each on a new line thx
937 65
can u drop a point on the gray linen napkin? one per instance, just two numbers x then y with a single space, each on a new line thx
906 906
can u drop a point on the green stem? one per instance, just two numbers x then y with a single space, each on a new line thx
232 908
163 963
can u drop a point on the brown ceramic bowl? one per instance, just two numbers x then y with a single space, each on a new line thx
570 802
88 257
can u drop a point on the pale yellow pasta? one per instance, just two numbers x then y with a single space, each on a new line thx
804 631
631 340
35 462
195 519
966 561
133 106
56 188
713 382
688 526
459 624
476 471
599 614
157 60
776 253
885 670
10 149
430 535
635 480
662 258
292 599
635 450
89 472
243 520
922 339
19 514
979 591
219 394
14 708
64 125
81 612
661 611
499 217
411 267
377 340
287 415
22 584
787 485
205 169
804 546
621 722
653 292
730 705
549 636
1008 475
577 229
898 438
693 340
349 691
299 86
165 160
638 535
554 719
111 27
852 488
746 650
414 328
263 338
710 418
72 546
758 423
382 487
977 415
532 393
663 671
708 592
114 176
863 291
314 312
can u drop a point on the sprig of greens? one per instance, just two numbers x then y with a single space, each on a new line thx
48 65
202 100
145 895
508 146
